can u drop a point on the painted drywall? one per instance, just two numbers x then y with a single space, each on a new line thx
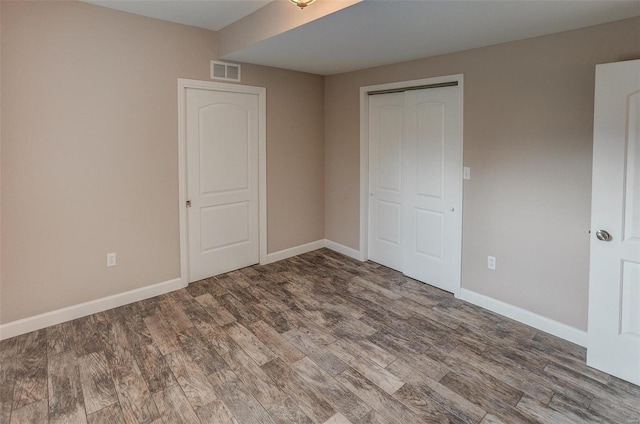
295 155
89 152
528 122
0 149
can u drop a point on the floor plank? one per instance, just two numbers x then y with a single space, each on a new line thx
236 396
111 414
97 384
308 399
66 403
287 412
192 380
391 409
8 349
31 369
133 393
174 408
35 412
257 350
341 399
254 378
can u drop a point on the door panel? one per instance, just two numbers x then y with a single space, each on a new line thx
389 222
385 179
224 155
222 181
431 223
632 177
630 308
389 138
430 140
237 222
614 277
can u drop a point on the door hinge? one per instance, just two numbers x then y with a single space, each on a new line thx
188 203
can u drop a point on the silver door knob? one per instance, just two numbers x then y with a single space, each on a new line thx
452 209
602 235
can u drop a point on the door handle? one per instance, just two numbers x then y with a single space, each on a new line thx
602 235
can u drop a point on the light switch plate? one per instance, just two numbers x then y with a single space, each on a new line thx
466 174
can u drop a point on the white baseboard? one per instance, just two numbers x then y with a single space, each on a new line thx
26 325
309 247
294 251
532 319
37 322
345 250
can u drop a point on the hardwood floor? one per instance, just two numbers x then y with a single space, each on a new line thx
318 338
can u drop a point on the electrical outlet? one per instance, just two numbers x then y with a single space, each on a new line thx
491 262
111 259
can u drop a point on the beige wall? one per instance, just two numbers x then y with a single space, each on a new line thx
528 121
295 155
0 152
89 151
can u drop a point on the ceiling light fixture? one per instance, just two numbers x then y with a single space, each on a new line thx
302 3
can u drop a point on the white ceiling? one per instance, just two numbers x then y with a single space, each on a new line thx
379 32
213 15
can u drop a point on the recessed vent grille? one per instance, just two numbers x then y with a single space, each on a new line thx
225 71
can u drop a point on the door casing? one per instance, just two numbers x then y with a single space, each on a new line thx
261 92
364 156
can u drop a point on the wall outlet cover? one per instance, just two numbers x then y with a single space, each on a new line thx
491 262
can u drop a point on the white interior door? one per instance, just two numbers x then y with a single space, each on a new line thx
415 183
386 122
614 279
432 168
222 181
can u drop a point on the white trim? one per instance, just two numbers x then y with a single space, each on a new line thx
294 251
37 322
341 248
261 92
310 247
363 255
262 172
529 318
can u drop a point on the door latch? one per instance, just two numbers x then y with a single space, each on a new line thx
188 203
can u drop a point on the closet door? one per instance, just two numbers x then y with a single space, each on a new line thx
432 187
415 180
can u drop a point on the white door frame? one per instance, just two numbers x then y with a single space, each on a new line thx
364 154
261 92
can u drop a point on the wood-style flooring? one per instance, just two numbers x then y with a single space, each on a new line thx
318 338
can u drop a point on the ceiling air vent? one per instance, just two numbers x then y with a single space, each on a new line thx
225 71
